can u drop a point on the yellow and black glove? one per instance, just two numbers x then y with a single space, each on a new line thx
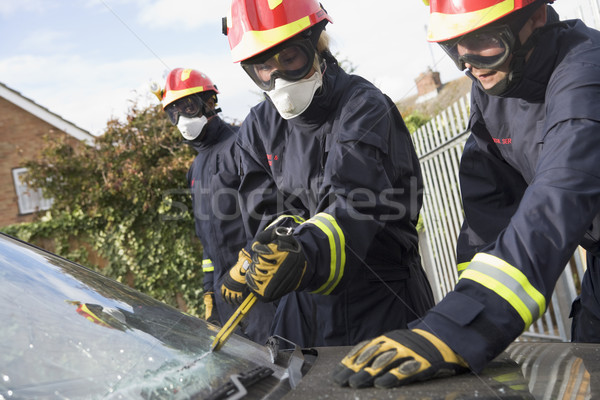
278 264
398 358
210 313
234 287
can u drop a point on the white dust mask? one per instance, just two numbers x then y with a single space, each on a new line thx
191 128
293 98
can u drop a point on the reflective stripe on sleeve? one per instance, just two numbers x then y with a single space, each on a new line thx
509 283
337 250
207 265
462 266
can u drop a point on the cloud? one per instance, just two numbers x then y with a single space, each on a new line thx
388 48
187 14
386 41
84 93
46 41
89 93
99 79
12 7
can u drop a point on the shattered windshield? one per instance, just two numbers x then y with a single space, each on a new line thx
68 332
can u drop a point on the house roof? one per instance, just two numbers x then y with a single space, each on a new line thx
44 114
448 94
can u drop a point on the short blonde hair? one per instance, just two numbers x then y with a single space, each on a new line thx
322 45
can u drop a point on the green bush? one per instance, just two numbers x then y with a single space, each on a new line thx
415 120
125 199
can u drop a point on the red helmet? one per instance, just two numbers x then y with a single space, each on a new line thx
254 26
449 19
183 82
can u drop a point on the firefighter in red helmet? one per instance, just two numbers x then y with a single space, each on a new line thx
530 189
189 99
331 188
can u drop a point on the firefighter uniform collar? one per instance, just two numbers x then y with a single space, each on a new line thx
326 99
211 135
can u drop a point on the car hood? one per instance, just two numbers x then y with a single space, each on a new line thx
69 332
526 370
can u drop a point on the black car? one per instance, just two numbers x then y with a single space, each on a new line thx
67 332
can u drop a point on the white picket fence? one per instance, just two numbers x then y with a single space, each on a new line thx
439 145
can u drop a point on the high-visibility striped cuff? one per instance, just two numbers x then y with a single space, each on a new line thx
509 283
337 250
207 265
462 266
297 219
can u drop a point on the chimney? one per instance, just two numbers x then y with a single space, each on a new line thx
428 85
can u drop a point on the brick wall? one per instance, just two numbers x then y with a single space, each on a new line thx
20 140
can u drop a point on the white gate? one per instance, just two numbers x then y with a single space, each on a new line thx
586 10
439 145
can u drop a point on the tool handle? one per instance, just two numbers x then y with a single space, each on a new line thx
233 322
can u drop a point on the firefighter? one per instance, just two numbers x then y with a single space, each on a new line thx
331 187
530 187
190 101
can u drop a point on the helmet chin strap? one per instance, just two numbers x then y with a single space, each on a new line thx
206 111
517 65
210 113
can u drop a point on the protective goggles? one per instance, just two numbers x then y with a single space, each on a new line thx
484 49
291 61
189 106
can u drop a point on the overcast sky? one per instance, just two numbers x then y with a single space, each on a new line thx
88 60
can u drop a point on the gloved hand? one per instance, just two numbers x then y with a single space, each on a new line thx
209 309
398 358
278 264
234 287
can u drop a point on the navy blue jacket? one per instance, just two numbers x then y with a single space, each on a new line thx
346 173
530 182
214 179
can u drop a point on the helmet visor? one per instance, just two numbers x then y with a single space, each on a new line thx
483 49
291 62
189 106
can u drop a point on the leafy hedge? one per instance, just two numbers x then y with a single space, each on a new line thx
124 200
122 207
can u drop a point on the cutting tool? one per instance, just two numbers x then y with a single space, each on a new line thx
233 322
